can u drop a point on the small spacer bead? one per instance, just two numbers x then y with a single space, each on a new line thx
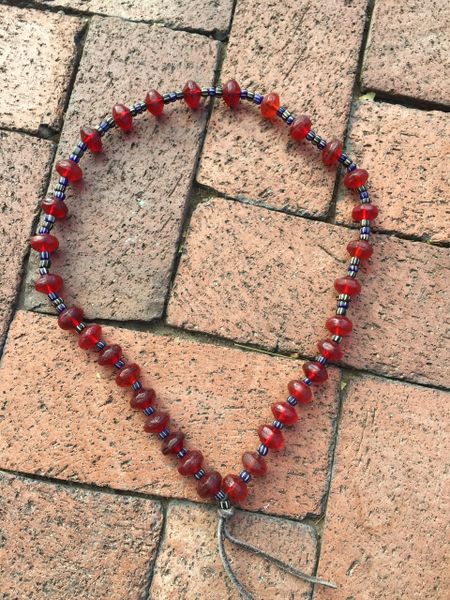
45 264
44 255
219 91
204 92
292 401
321 145
364 236
82 146
57 301
211 91
173 96
257 98
100 345
52 296
79 328
166 98
290 119
263 450
343 157
365 230
307 381
61 307
182 452
220 496
341 311
310 135
49 218
149 411
250 95
342 304
347 162
336 338
351 167
63 181
43 230
322 360
225 504
352 274
164 433
278 424
345 297
136 385
355 260
43 271
317 139
245 95
281 111
119 364
75 158
179 95
245 476
59 195
200 473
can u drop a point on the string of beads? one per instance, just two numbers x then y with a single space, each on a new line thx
233 488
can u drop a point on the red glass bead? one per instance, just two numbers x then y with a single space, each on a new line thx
285 413
254 463
347 285
90 336
331 152
355 179
91 138
44 243
270 105
128 375
271 437
231 93
70 170
173 443
55 208
209 484
122 116
360 249
190 463
143 399
315 372
300 390
154 102
156 422
47 284
71 317
192 94
339 326
365 211
330 350
110 355
300 128
235 488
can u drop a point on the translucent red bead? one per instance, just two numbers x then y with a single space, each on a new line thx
156 422
128 375
331 152
44 243
271 437
173 443
190 463
48 284
209 484
285 413
365 211
254 463
347 285
231 93
339 325
90 336
235 488
192 94
110 355
300 128
270 105
154 103
92 139
355 179
122 117
70 318
143 399
55 208
300 391
315 372
330 350
360 249
70 170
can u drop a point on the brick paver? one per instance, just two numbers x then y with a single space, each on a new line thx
408 52
63 543
296 49
25 162
37 54
189 566
65 417
386 532
210 15
118 246
265 278
405 151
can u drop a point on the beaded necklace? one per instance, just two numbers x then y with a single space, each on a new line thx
231 489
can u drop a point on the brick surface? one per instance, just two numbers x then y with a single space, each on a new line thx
408 52
386 531
265 278
307 52
37 53
64 543
404 150
189 565
25 162
65 417
118 246
197 14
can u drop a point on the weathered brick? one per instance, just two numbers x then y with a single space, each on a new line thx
265 278
189 565
63 416
63 543
25 162
404 150
386 530
308 52
408 50
197 14
37 52
118 246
